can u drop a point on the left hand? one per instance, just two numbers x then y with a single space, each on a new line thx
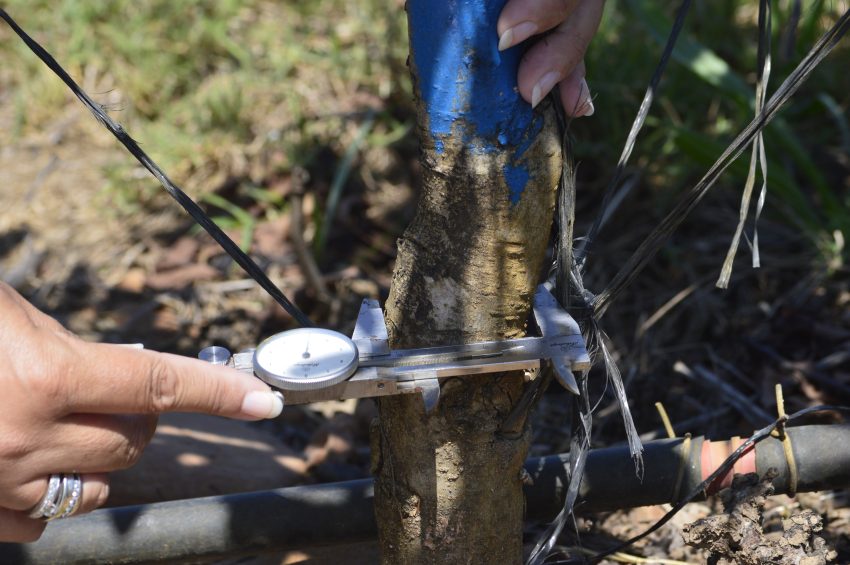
558 57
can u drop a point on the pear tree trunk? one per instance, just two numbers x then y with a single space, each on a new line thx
448 484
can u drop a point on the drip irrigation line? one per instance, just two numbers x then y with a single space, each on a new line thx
228 245
566 262
297 518
650 246
723 469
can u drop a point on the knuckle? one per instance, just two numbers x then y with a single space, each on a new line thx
48 380
101 496
52 325
137 440
14 446
219 396
164 390
569 44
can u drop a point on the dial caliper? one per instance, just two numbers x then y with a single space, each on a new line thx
314 364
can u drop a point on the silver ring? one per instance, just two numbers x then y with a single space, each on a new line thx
47 505
73 491
62 498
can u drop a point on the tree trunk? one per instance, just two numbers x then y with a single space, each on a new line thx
448 483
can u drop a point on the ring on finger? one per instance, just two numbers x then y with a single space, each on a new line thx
61 499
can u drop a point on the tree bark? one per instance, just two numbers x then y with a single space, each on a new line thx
448 483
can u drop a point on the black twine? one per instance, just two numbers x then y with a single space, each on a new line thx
658 237
195 211
650 246
637 125
569 290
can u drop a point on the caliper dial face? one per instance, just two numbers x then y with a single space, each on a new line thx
305 359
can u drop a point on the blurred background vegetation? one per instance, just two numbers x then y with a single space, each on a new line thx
293 123
232 97
212 89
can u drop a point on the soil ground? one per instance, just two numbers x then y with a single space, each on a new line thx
146 277
128 271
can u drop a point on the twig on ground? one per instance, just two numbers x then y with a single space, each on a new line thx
753 413
226 287
822 379
296 230
666 308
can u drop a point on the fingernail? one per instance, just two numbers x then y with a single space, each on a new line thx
262 405
586 106
516 34
543 86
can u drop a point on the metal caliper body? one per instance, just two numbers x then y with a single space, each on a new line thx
382 371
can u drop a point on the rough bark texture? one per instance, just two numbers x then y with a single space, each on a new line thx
448 484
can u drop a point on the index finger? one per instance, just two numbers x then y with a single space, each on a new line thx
119 380
520 19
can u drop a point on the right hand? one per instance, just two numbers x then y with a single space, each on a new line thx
71 406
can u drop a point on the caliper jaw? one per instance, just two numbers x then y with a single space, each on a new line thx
370 331
370 337
554 320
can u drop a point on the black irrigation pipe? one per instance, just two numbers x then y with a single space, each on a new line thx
340 514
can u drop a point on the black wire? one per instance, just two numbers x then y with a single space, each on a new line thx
195 211
658 237
566 274
637 125
652 244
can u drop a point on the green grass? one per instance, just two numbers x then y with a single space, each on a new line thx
247 89
211 87
707 97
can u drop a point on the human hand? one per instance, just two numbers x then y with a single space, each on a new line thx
558 57
68 406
